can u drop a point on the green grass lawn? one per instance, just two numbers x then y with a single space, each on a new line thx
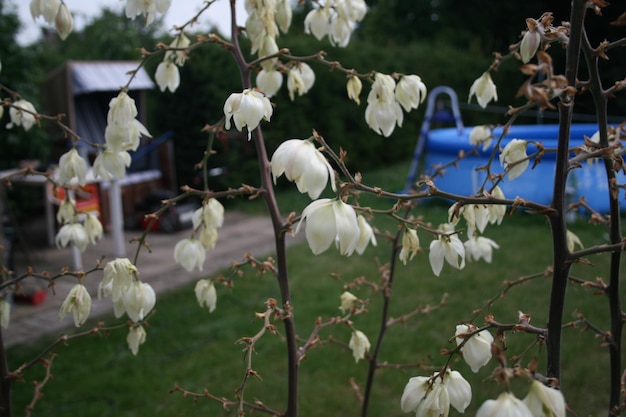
98 376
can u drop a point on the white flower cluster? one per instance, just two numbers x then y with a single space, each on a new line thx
130 296
386 100
122 134
190 253
54 11
335 18
433 396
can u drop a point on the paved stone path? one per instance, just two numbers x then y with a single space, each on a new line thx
239 235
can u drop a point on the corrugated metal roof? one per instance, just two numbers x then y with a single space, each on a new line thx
88 77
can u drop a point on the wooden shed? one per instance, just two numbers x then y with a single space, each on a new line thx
82 91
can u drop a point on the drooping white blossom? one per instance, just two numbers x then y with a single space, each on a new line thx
190 254
77 302
300 79
506 405
118 275
167 76
269 82
410 245
111 165
179 56
497 211
72 165
125 137
359 344
447 246
514 158
48 9
67 211
283 15
484 89
139 299
329 221
383 112
206 294
366 235
477 247
247 109
136 337
339 31
481 135
410 92
477 349
317 21
347 301
93 227
74 234
21 114
530 41
206 220
122 109
543 401
304 164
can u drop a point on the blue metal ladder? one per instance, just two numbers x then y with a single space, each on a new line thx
433 114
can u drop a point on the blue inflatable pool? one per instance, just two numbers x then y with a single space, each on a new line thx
443 145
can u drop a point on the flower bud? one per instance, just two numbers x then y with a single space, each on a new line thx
366 235
63 21
354 87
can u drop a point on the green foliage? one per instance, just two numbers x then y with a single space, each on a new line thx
188 346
